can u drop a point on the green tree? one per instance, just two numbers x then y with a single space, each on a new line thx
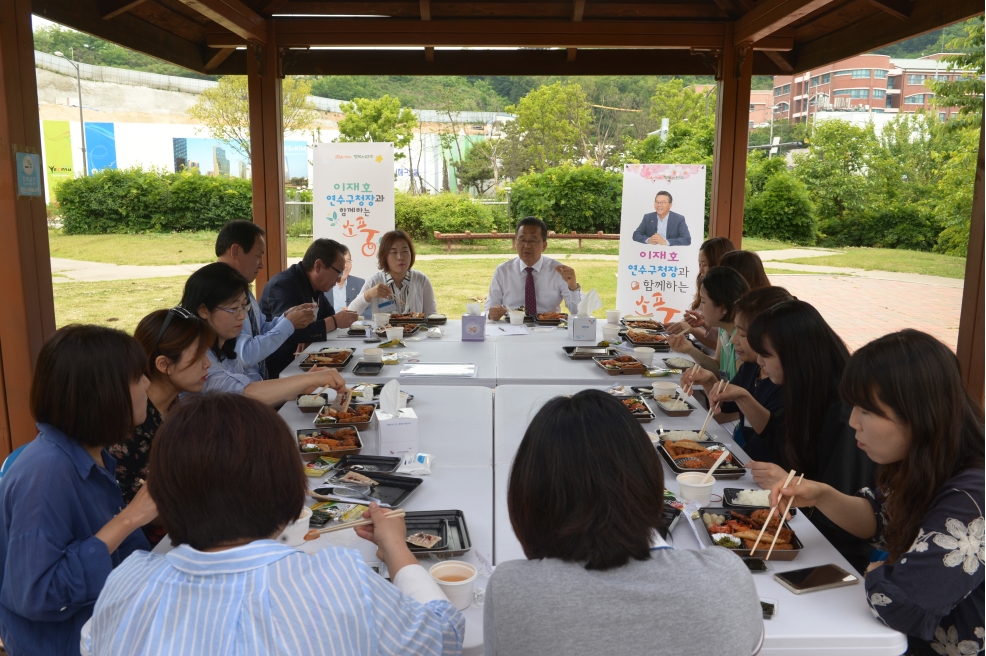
955 170
965 93
782 211
554 125
225 110
584 198
382 119
476 169
675 102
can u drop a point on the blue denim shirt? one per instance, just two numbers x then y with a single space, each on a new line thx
53 501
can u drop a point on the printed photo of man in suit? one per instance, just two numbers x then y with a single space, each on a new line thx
344 291
662 226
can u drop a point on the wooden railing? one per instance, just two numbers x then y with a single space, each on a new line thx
451 237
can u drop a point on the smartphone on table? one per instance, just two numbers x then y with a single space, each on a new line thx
812 579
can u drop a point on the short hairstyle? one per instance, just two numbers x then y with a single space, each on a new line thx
586 485
756 301
663 193
82 382
749 265
180 335
327 250
213 285
240 232
225 468
918 379
533 221
387 242
343 249
724 287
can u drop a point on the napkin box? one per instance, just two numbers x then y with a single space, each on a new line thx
473 327
582 329
397 435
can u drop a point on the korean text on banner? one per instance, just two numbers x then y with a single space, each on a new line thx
661 229
354 198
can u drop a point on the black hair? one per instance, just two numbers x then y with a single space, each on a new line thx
533 221
211 286
240 232
749 265
583 464
724 287
663 193
813 358
326 250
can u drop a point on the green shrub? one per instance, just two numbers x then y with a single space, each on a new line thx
783 211
450 212
113 201
408 211
898 226
585 199
200 202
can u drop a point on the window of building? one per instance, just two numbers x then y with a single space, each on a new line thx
838 73
782 107
915 79
778 91
942 78
877 111
787 89
879 93
891 83
861 72
814 81
826 78
852 93
890 101
941 116
916 99
751 125
879 73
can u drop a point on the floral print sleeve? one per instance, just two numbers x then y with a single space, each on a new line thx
934 591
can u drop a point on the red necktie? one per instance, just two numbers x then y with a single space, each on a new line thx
530 298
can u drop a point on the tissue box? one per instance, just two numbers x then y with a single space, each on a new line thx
473 327
398 435
582 329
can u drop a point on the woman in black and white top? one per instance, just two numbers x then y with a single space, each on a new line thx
396 288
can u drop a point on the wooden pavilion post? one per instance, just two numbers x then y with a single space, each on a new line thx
732 134
971 336
267 151
28 315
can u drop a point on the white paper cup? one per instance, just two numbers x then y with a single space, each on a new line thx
294 534
664 389
372 355
611 333
613 316
644 354
381 319
394 333
691 490
458 592
516 319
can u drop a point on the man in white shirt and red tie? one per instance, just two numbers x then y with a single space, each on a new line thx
537 282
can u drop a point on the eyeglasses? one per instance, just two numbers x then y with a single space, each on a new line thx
176 310
530 242
341 273
234 311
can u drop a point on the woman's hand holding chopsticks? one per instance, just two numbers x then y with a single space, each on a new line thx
390 536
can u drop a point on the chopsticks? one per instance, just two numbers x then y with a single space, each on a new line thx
781 517
680 402
717 388
360 522
770 516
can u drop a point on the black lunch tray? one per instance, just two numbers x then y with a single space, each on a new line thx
659 347
729 496
368 464
724 472
642 417
306 365
607 351
392 490
449 525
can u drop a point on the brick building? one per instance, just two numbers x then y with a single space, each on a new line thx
866 83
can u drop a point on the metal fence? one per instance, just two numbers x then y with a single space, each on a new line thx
121 75
298 218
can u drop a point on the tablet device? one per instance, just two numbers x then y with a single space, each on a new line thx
812 579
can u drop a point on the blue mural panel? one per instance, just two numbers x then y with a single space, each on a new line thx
100 146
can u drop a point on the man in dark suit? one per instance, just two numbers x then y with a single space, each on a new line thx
348 287
306 282
662 226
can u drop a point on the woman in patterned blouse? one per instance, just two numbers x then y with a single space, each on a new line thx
913 416
175 342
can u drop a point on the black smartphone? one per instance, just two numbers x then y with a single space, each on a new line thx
812 579
755 565
368 368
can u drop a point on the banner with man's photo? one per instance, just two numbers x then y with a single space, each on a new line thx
661 229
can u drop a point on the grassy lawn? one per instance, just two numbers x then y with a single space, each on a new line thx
888 259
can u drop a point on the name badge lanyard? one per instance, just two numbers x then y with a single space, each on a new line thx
400 293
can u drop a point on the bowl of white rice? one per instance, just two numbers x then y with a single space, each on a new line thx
759 498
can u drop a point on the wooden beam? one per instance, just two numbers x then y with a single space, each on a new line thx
292 33
876 31
425 8
971 334
897 8
267 152
578 10
772 15
28 316
783 61
729 152
234 16
124 30
503 10
113 8
218 57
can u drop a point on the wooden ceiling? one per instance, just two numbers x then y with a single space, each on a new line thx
547 37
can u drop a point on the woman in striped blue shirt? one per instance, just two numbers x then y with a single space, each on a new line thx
227 478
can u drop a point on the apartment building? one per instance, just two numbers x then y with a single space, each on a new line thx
866 83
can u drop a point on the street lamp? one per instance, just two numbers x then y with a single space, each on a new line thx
770 151
82 123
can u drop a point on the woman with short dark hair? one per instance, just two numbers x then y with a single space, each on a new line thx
749 265
913 416
217 293
800 352
585 497
63 525
227 478
397 288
